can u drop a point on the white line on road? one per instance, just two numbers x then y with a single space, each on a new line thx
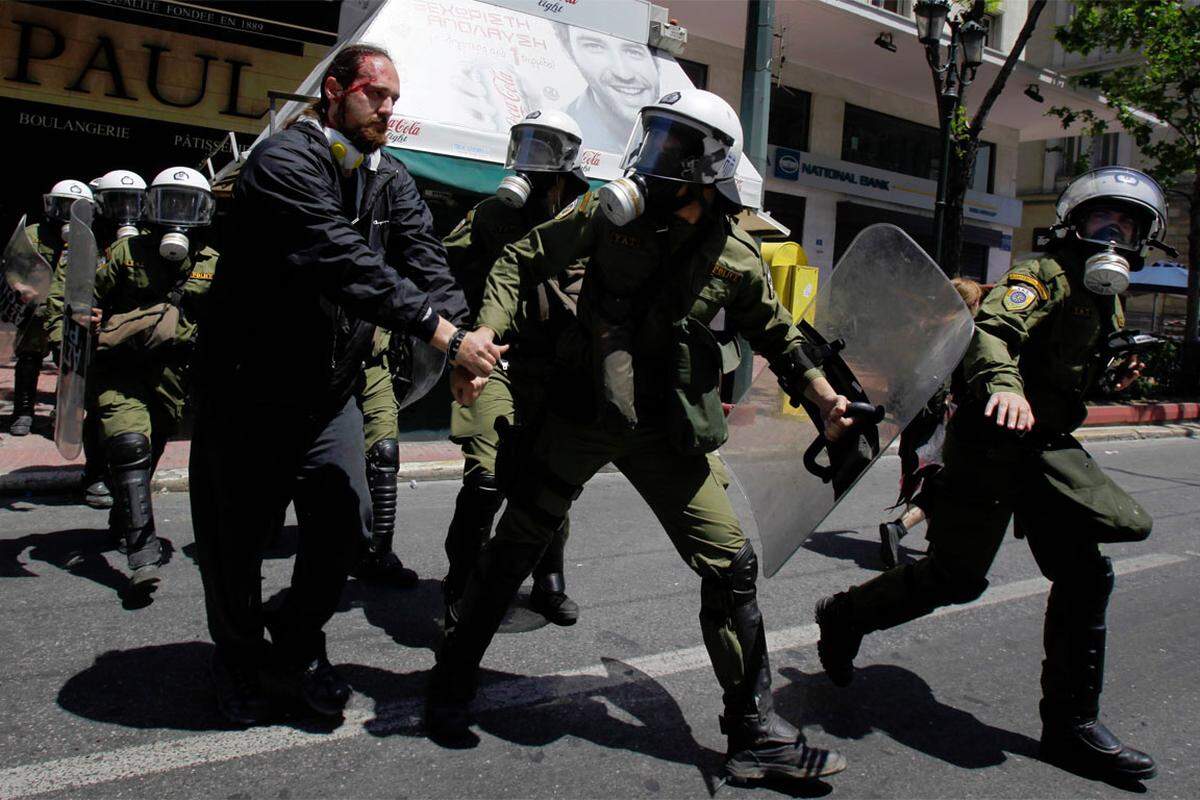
140 761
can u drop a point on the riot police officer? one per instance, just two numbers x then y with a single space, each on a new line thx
1009 452
50 238
543 153
638 386
150 292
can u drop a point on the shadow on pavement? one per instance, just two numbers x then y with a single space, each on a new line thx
899 704
847 546
637 714
163 686
78 551
412 617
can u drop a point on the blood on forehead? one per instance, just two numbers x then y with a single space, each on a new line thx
373 71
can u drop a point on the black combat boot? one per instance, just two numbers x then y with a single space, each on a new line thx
839 640
761 744
500 570
890 534
132 516
549 595
299 670
1072 678
25 377
379 564
474 512
240 696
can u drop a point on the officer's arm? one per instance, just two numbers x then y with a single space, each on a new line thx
415 251
287 186
759 316
547 250
1004 323
54 303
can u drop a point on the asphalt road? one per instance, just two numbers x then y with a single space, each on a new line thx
102 700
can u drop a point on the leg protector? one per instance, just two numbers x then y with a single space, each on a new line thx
1074 640
25 376
383 462
549 595
474 512
132 515
734 634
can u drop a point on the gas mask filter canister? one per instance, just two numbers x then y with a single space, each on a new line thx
623 200
514 190
174 245
1106 272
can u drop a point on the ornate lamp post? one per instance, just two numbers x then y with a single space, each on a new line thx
963 56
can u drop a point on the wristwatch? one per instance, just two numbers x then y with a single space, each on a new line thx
455 342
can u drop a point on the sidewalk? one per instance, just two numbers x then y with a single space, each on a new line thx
32 465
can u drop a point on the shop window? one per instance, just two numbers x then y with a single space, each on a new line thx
789 120
992 37
983 173
697 73
1081 153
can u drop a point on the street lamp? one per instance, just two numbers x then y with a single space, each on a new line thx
954 75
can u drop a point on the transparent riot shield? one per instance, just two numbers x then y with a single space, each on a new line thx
416 367
78 292
890 329
24 283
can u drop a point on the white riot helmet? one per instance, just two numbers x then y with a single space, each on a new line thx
121 198
179 198
545 141
1087 211
58 201
690 136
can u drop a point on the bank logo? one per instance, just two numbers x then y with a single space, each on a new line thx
787 164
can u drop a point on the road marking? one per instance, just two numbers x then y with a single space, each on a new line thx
140 761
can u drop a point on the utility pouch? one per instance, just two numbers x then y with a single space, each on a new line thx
1076 491
695 416
143 329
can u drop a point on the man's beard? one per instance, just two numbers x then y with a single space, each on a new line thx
368 137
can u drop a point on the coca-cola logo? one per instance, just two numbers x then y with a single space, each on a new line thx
555 6
401 129
589 158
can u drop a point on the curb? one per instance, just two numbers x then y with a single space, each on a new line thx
65 480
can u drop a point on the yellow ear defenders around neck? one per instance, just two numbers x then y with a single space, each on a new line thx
347 156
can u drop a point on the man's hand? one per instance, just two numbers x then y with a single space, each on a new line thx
832 406
465 387
1012 411
478 353
1128 371
97 316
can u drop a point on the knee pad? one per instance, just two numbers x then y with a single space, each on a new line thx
384 454
128 451
724 589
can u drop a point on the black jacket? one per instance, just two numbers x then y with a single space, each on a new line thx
302 286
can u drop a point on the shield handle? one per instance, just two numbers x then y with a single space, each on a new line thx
859 413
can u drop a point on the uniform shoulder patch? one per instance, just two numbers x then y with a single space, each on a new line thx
1023 279
579 205
1019 297
724 273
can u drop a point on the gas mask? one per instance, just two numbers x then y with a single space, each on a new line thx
628 198
1106 272
347 156
177 202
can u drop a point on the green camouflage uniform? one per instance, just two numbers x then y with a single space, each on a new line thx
32 341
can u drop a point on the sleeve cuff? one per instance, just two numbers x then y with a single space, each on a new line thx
426 325
494 321
1013 387
811 374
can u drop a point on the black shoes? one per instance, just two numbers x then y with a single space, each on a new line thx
890 534
447 709
240 697
772 748
839 641
316 686
554 606
1087 747
385 568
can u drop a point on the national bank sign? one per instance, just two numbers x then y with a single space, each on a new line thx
855 179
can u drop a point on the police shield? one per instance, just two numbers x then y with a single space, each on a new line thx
78 291
24 283
416 367
888 329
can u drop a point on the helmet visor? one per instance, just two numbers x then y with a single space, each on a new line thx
676 148
1112 222
121 205
179 205
58 208
535 149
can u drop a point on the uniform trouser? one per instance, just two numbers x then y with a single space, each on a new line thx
685 492
378 402
246 465
125 399
516 398
32 346
1063 505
